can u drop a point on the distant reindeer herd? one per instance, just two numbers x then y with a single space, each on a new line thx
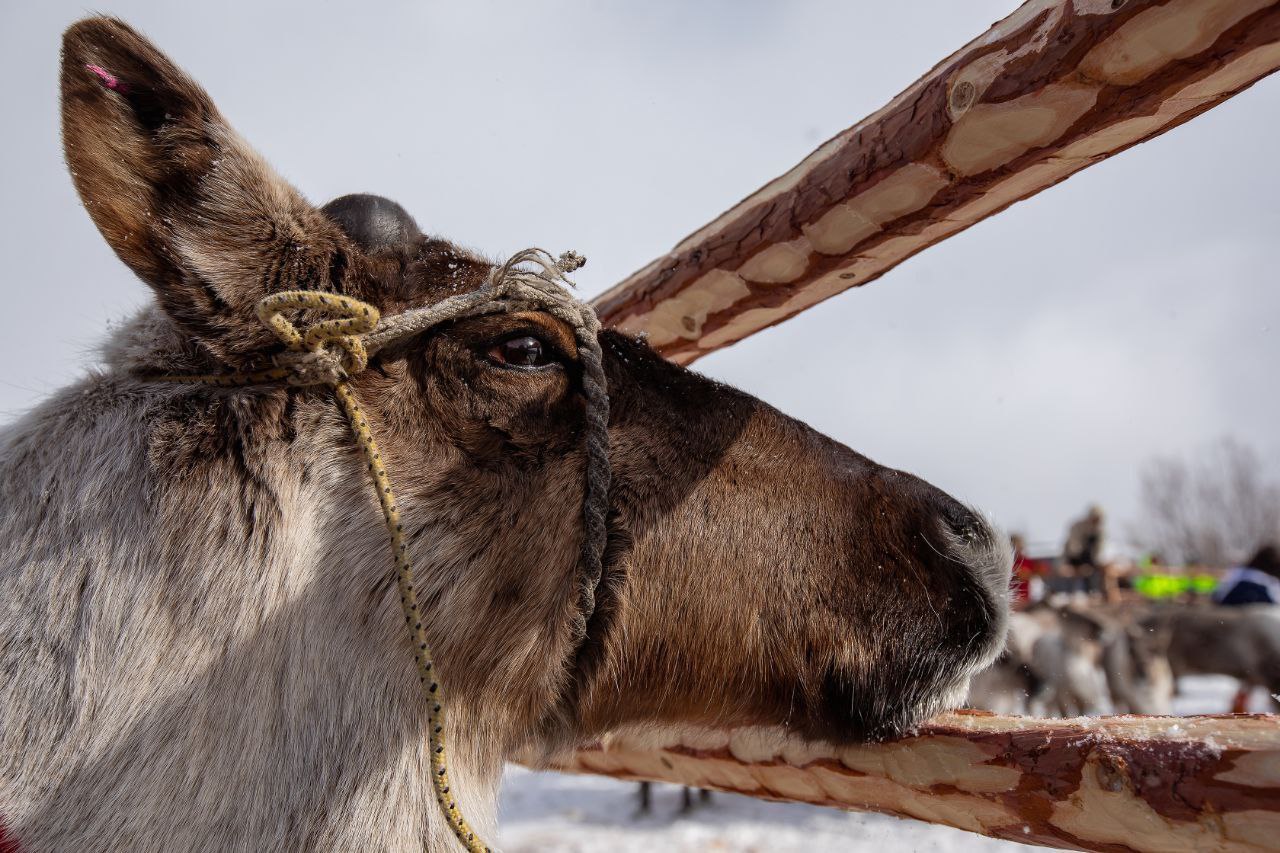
1072 659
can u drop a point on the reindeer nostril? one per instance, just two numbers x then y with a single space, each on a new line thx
961 521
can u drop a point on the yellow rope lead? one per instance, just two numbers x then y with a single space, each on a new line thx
353 318
409 601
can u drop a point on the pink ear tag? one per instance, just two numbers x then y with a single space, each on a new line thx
108 79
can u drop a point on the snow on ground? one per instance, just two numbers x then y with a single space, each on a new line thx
576 814
1211 694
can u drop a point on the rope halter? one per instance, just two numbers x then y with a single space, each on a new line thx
330 351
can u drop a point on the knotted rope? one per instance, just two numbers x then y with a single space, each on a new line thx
330 351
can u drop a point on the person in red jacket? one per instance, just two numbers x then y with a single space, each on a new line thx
1025 570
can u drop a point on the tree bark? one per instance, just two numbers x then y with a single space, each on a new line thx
1053 88
1108 784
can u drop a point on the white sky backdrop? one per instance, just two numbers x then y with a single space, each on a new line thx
1028 365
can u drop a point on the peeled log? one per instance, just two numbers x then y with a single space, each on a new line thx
1053 88
1109 784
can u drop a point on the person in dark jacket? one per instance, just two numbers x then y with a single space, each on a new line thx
1082 553
1256 582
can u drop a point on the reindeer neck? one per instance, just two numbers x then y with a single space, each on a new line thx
219 665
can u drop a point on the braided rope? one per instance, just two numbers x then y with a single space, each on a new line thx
330 351
515 287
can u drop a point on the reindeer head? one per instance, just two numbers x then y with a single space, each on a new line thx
756 572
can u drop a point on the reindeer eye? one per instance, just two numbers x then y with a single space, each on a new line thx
522 351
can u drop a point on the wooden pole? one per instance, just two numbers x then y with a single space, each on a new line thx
1053 88
1108 784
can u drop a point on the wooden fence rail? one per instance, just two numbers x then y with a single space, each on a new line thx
1055 87
1109 784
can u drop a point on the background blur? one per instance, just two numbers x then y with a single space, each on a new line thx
1030 365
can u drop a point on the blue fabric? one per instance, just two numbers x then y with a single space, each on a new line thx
1247 592
1247 586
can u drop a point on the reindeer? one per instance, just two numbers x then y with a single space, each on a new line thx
1065 661
199 638
1051 667
1242 642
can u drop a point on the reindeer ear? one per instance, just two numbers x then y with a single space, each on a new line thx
179 196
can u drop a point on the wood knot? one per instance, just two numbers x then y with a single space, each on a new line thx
962 96
1113 772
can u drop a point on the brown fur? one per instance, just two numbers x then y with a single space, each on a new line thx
1240 641
200 642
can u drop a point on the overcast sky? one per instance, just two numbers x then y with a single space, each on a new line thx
1028 365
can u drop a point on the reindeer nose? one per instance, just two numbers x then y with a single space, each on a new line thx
961 521
974 544
935 510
